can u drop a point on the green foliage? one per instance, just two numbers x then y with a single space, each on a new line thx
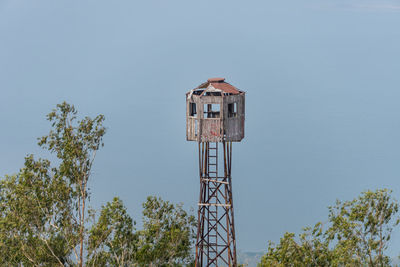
362 227
112 240
311 250
357 234
286 253
166 239
44 207
75 144
34 221
44 216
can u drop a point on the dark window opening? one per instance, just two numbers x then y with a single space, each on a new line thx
192 110
198 92
212 110
232 110
213 94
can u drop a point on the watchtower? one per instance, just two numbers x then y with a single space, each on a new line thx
215 112
215 115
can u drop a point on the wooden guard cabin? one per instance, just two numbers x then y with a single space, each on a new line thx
215 112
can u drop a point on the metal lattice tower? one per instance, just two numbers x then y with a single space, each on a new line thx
215 119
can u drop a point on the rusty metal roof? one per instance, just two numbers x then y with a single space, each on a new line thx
219 83
216 80
226 88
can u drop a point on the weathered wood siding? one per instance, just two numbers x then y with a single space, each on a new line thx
211 130
215 129
191 131
234 126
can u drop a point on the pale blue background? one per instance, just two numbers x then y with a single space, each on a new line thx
322 82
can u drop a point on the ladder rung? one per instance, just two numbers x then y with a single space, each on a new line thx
214 204
215 181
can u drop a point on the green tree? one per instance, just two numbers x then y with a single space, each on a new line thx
362 228
165 240
112 240
75 144
44 207
45 219
357 234
34 211
286 253
168 233
310 250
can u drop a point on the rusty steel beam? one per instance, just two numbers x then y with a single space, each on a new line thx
216 242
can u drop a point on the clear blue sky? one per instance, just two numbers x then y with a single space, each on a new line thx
322 81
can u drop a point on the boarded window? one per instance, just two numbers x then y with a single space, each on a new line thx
212 110
192 110
232 110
